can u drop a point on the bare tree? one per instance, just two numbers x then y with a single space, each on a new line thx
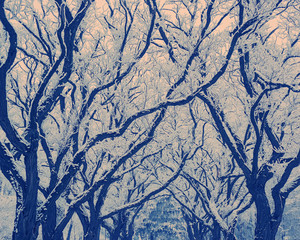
81 100
263 148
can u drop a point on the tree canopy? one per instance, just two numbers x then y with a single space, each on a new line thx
107 106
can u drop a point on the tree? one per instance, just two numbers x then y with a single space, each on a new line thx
263 148
56 114
79 101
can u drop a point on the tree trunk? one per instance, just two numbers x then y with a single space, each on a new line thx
263 229
115 235
93 232
266 226
274 226
92 235
229 236
26 225
216 231
49 225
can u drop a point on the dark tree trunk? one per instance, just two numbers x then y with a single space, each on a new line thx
115 235
266 226
274 226
216 232
49 225
93 231
263 229
263 226
130 233
195 229
229 236
26 227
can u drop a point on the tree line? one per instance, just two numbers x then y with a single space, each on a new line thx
107 105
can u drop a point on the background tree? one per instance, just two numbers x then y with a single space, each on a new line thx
162 220
211 189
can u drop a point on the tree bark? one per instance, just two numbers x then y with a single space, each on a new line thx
93 231
263 229
216 232
49 225
26 227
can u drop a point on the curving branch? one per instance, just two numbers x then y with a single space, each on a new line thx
5 123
